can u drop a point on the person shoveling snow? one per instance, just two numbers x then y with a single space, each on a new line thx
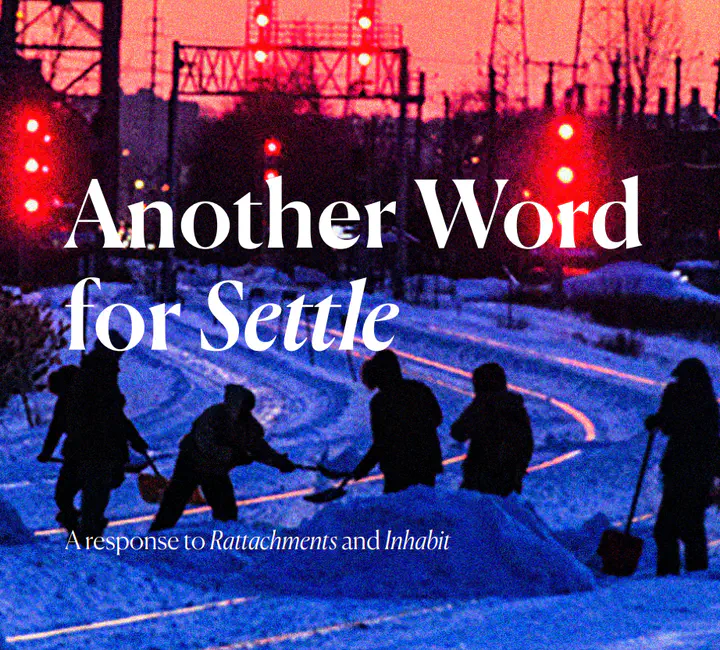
225 436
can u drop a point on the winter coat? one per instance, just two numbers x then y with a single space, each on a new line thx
217 442
404 421
501 442
691 424
98 431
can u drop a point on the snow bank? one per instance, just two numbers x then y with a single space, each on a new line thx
497 547
488 289
697 265
634 279
12 529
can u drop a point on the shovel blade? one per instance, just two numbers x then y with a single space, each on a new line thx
331 494
197 498
620 553
152 487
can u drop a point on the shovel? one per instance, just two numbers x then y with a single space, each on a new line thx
620 551
152 486
331 494
324 471
130 468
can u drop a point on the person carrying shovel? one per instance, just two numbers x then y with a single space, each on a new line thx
90 411
225 436
688 416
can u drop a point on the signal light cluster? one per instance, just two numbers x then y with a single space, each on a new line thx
35 164
566 132
272 148
365 20
263 17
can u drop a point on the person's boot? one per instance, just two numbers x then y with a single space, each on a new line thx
69 520
668 559
696 556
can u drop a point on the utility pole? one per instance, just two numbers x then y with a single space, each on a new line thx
615 93
716 106
168 286
402 203
508 49
492 127
8 29
678 82
109 112
154 48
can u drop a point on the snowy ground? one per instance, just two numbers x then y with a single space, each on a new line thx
587 407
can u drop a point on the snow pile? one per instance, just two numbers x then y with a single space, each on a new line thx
697 265
12 529
497 547
488 289
634 279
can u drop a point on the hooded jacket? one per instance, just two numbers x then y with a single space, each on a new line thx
501 442
218 441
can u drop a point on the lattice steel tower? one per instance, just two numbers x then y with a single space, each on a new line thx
77 45
509 54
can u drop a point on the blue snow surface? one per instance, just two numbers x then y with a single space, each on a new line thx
12 528
519 572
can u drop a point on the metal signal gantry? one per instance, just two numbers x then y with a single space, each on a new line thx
359 60
308 60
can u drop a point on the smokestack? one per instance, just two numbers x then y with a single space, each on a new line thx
678 83
549 95
615 92
581 98
694 105
662 109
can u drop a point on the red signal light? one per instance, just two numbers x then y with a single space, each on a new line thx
270 174
565 175
364 19
566 131
32 205
262 15
32 125
364 59
272 147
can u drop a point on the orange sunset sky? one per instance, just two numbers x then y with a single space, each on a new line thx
443 36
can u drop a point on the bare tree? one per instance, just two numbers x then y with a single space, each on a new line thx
655 36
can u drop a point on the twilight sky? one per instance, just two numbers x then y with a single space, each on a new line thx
443 35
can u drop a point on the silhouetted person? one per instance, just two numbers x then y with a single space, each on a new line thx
224 436
98 433
68 483
688 415
404 416
498 428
